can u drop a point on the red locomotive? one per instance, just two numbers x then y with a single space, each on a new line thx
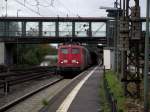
73 58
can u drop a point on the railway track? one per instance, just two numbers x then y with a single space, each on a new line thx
16 76
20 99
33 101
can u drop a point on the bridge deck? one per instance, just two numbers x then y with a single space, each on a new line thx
34 40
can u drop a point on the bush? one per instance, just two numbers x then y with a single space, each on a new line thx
117 89
32 54
44 102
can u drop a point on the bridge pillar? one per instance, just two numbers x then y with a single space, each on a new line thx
2 53
9 54
6 54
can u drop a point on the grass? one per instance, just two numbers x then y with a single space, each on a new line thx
117 89
103 101
44 102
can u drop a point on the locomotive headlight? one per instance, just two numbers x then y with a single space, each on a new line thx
75 61
65 61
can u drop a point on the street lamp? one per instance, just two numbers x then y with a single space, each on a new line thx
6 7
18 12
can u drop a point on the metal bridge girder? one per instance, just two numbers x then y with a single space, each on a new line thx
36 28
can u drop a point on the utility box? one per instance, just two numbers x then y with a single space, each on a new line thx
108 58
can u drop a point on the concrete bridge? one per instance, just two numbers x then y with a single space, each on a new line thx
18 30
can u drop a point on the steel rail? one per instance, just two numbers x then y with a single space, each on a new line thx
20 99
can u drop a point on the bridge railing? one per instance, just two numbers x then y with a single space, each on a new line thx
51 34
52 29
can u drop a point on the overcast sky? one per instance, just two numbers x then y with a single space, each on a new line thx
89 8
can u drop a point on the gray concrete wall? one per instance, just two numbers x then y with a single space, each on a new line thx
9 54
6 53
2 53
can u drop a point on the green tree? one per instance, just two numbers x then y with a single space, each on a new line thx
32 54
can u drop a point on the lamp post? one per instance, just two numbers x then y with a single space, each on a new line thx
6 7
146 70
18 10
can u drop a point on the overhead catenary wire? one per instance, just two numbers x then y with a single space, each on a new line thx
31 4
67 9
46 4
49 4
2 8
52 2
32 10
37 5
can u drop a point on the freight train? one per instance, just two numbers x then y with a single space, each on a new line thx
74 58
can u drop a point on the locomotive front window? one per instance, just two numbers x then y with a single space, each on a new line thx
75 51
64 51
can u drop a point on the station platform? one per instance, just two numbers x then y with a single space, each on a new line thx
81 95
87 99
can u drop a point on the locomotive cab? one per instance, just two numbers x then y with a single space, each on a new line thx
69 58
73 58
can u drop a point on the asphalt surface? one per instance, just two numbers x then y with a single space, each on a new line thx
88 100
